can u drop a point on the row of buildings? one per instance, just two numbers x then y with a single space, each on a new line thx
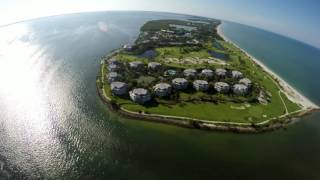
161 90
208 73
115 66
142 96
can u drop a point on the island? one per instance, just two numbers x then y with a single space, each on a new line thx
186 73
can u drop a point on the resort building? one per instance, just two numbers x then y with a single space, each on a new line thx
240 89
136 65
190 73
246 82
221 72
154 38
162 89
114 61
180 83
113 76
236 75
140 95
128 47
193 42
201 85
113 67
154 66
119 88
208 73
221 87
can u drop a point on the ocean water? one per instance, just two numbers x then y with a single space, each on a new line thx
54 126
296 62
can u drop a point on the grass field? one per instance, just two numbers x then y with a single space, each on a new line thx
177 52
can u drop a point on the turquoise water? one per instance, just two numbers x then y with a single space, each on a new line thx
54 126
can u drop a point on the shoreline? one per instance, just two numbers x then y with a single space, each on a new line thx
292 93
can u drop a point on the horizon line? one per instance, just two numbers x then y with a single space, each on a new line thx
167 12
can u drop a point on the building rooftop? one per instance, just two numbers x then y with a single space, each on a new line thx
190 72
140 91
136 64
162 86
154 65
179 80
113 74
236 74
180 83
162 89
221 84
113 61
127 47
200 82
240 89
245 81
201 85
140 95
221 87
119 88
113 67
118 85
207 72
221 72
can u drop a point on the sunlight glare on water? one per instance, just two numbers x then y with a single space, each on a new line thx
22 89
20 83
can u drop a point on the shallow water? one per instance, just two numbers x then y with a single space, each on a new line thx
53 125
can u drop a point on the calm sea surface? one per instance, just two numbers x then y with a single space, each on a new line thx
53 125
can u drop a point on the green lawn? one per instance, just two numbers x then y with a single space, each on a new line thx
212 112
228 112
131 58
177 52
292 107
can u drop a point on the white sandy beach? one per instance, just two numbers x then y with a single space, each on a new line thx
292 94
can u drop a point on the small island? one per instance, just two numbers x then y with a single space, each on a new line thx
186 73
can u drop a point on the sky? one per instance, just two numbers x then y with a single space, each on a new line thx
298 19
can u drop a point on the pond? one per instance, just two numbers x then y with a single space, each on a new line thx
218 55
147 54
